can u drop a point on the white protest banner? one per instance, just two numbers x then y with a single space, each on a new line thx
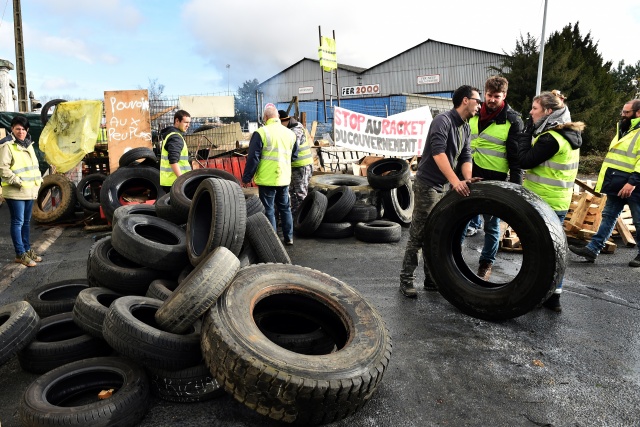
400 135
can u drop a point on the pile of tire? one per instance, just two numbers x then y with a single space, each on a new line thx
372 208
192 311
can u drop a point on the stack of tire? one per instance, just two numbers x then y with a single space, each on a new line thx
175 300
372 208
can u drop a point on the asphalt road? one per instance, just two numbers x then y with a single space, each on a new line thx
577 368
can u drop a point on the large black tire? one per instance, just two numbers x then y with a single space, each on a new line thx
310 213
305 389
88 191
44 112
55 298
130 328
58 189
153 242
139 208
399 203
218 217
165 210
129 179
198 292
133 157
334 230
185 186
254 205
378 231
194 384
161 289
358 184
543 257
265 241
68 395
59 341
387 174
108 268
362 212
92 305
339 203
19 324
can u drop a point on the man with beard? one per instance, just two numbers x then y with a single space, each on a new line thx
174 157
494 147
618 178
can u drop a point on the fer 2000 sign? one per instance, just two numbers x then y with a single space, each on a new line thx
361 90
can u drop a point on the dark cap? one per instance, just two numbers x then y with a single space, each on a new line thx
283 115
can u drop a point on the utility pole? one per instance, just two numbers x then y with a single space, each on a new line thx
23 101
540 59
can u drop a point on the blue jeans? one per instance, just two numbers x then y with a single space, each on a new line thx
277 196
20 211
610 214
491 238
476 222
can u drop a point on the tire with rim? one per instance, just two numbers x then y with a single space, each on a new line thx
218 217
106 267
56 199
56 297
185 186
378 231
129 179
44 113
340 201
59 341
198 292
389 173
67 395
310 213
153 242
305 389
133 157
92 305
138 208
265 241
161 289
130 328
399 203
358 184
544 248
19 324
194 384
88 191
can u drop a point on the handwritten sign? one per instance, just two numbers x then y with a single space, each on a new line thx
128 122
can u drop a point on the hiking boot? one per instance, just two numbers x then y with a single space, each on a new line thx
25 260
584 252
408 290
553 303
429 285
33 255
484 271
635 262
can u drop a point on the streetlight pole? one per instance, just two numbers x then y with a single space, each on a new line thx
228 87
540 59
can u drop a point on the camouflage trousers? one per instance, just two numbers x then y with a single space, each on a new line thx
299 186
425 199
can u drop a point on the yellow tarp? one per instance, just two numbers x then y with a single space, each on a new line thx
71 133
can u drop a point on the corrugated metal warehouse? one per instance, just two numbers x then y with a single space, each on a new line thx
426 74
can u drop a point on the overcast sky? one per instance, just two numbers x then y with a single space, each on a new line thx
79 49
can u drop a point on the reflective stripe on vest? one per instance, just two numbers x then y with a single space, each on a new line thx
274 169
489 147
305 157
167 176
553 179
25 165
623 154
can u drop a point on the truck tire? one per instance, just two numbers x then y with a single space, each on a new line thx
543 241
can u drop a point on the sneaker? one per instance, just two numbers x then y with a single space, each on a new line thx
471 232
635 262
553 303
33 255
25 260
408 290
484 271
584 252
288 242
429 285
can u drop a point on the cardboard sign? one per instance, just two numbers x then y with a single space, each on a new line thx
128 122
